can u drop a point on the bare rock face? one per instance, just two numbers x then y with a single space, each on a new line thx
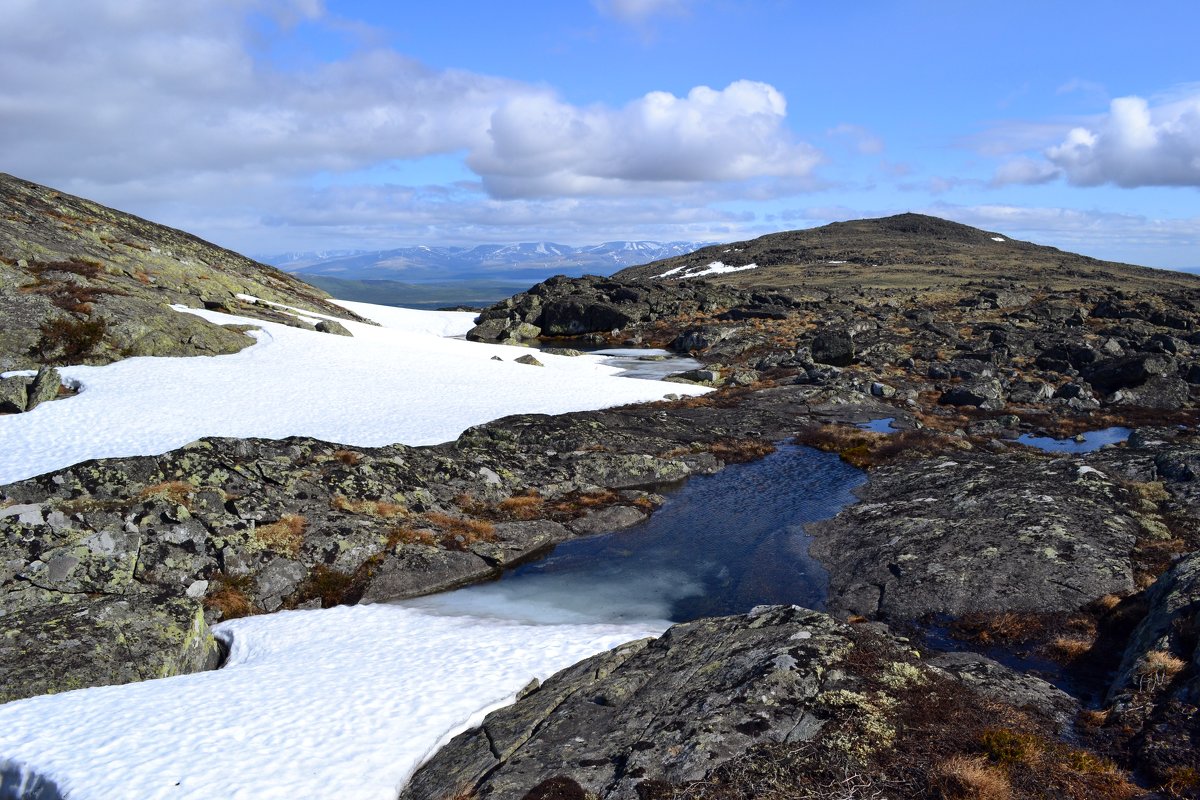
978 533
779 686
84 284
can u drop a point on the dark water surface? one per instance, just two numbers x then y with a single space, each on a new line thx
721 544
1092 440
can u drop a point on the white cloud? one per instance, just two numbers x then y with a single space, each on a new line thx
181 113
1025 170
1136 143
541 146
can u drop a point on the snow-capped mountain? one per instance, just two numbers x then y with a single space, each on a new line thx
523 260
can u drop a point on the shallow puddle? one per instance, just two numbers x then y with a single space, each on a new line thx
721 544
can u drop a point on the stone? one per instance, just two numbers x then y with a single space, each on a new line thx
835 348
44 387
1128 372
334 327
882 390
652 714
529 360
1169 628
611 518
985 393
977 533
14 393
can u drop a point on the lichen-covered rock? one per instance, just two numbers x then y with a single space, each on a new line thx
978 532
655 716
77 641
1166 644
84 284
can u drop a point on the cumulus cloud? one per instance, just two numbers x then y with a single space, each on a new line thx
1134 144
180 112
540 146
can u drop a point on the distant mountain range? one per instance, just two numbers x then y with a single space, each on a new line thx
525 261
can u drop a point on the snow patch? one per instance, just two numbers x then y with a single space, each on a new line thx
997 238
719 268
400 381
345 702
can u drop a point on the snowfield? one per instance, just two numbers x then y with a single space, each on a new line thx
403 382
345 702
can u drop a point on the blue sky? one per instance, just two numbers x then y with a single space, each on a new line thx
272 125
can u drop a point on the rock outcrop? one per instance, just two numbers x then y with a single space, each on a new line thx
782 702
84 284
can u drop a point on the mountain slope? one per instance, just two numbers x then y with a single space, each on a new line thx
903 251
524 261
85 284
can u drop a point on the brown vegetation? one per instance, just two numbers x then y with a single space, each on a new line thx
228 596
285 535
384 509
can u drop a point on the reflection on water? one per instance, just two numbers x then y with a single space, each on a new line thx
879 425
722 544
1092 440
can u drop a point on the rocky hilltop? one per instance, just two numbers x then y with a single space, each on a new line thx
912 251
84 284
974 572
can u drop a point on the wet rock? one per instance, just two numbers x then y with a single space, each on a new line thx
612 518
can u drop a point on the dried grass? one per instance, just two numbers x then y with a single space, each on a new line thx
285 535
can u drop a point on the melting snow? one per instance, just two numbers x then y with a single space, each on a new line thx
673 271
345 702
402 382
717 268
997 238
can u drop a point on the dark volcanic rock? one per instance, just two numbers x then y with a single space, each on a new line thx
984 393
1128 372
977 533
835 348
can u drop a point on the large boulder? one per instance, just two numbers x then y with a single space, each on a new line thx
835 348
982 393
1129 371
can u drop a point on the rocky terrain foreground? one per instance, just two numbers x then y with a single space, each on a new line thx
1001 621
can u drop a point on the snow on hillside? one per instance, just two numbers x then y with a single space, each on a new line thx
402 382
346 702
343 702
